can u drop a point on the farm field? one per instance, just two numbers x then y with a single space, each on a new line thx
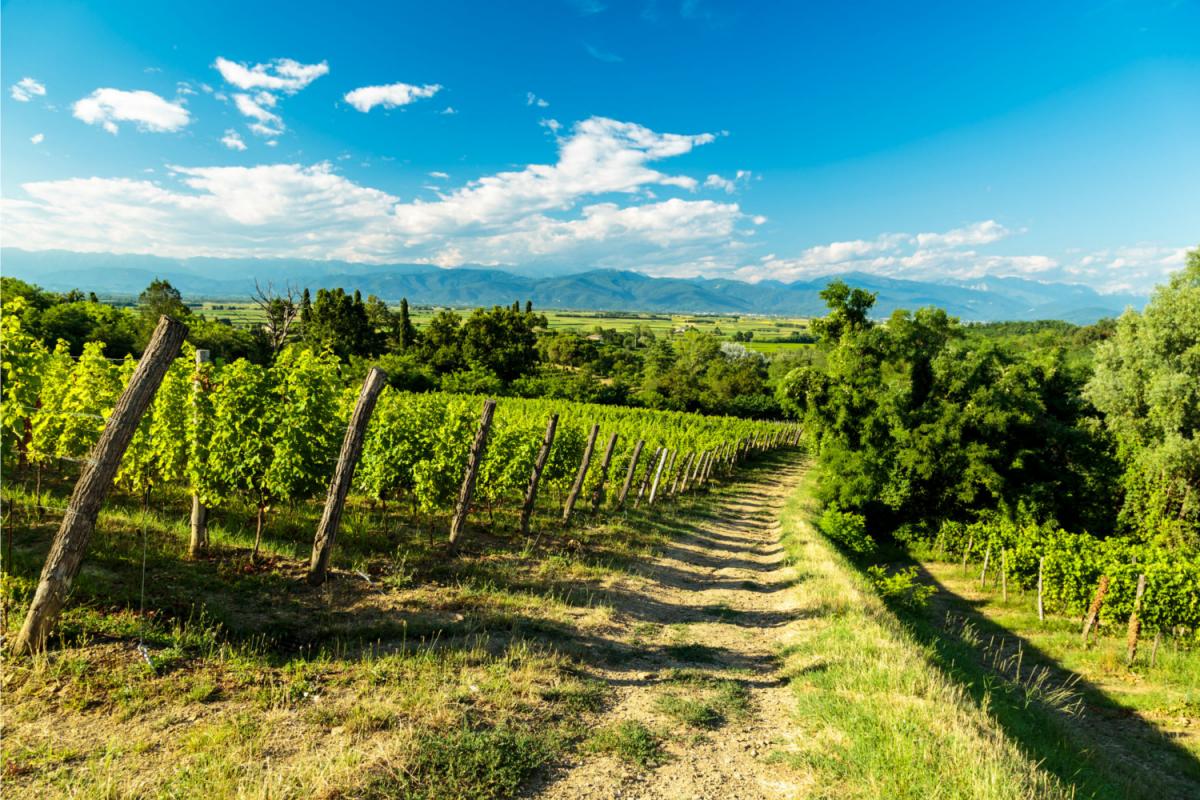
584 322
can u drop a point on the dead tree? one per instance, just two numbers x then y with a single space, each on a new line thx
281 312
343 475
79 520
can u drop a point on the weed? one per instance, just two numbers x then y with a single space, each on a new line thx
630 741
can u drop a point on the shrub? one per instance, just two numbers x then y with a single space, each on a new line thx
847 530
901 587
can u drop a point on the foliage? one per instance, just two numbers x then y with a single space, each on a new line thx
847 529
1147 383
900 587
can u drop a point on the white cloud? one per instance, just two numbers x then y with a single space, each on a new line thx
392 95
955 255
448 111
280 75
602 55
727 185
439 175
107 107
584 208
266 123
38 138
233 140
532 99
26 89
978 233
553 125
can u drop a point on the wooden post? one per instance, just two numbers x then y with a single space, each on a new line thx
584 463
198 542
986 557
79 520
1004 574
682 471
689 480
646 478
1094 611
343 475
1135 624
539 464
633 460
629 474
669 470
967 552
474 457
598 492
657 474
1154 649
1041 606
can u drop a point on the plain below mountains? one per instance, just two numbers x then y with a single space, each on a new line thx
596 290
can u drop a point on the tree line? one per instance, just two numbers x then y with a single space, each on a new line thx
1007 442
503 350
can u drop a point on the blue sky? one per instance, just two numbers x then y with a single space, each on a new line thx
1055 141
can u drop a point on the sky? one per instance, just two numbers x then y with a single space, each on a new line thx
1053 141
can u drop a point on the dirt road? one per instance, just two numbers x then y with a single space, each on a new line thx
711 611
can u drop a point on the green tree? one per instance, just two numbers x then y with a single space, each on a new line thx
1147 383
159 298
848 309
502 341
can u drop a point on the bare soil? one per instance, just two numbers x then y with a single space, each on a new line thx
716 603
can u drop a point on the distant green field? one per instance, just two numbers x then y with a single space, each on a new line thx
245 314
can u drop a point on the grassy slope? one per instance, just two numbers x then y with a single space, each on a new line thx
439 678
878 719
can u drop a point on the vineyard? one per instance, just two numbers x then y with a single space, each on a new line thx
270 436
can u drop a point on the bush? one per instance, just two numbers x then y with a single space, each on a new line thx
847 530
901 587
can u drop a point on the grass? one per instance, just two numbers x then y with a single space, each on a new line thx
877 718
631 741
430 677
1108 728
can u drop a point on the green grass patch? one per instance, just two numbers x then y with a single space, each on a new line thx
631 741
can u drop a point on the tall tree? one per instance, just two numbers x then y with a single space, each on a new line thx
1147 383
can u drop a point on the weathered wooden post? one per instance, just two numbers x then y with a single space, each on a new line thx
1135 624
584 463
79 520
198 542
1094 611
669 470
633 460
474 457
343 475
967 552
1041 607
987 555
657 475
539 464
605 463
687 463
1004 574
646 478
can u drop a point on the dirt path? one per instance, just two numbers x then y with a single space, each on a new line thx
715 605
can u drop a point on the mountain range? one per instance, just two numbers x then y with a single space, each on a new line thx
986 299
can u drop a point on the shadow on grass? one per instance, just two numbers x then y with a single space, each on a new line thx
1070 726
